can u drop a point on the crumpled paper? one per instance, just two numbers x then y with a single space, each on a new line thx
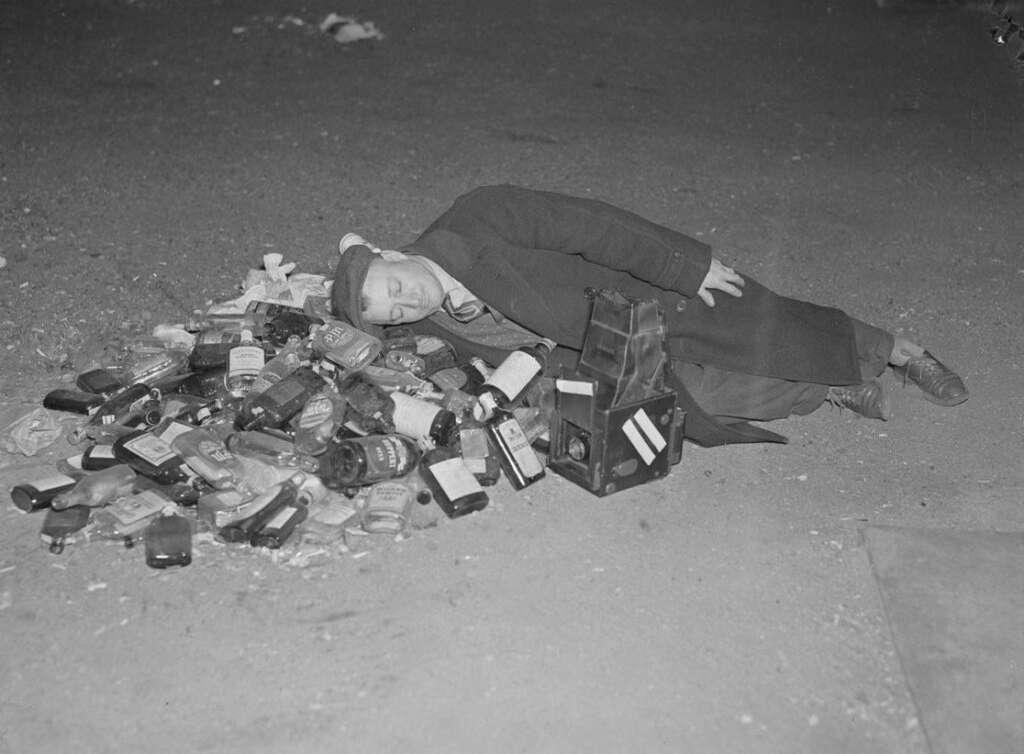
346 29
34 431
276 283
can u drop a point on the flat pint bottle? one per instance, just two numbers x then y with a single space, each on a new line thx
363 461
511 377
518 460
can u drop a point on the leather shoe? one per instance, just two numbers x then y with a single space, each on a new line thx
867 399
940 384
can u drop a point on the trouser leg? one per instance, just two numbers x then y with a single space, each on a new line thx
736 396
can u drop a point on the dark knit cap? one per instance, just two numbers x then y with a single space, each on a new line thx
347 292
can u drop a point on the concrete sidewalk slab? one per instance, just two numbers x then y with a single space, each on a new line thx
955 605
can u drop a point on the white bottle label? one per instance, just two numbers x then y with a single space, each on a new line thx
52 482
454 478
514 374
519 447
245 361
413 416
150 448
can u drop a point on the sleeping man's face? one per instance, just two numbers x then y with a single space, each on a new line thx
399 291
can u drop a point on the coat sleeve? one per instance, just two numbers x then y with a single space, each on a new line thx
594 230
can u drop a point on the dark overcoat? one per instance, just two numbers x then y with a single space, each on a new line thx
530 255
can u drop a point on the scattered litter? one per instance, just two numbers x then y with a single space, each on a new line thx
31 433
95 585
346 29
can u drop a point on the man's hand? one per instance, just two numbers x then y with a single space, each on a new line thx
720 278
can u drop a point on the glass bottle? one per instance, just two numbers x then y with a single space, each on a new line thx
245 361
97 488
39 493
269 448
363 461
151 456
168 541
320 419
262 509
417 418
518 460
344 344
293 354
511 377
281 401
478 451
273 532
452 484
207 455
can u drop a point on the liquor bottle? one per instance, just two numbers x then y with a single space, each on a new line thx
362 461
511 377
387 507
60 524
281 401
478 451
168 541
98 456
453 485
417 418
39 493
205 453
245 361
151 456
319 421
126 516
212 348
370 406
287 325
518 460
468 377
97 488
344 344
100 381
293 354
275 531
262 509
73 401
271 449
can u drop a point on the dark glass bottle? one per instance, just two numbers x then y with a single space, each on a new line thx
365 460
452 484
264 509
511 377
275 531
37 494
416 418
518 460
281 401
150 456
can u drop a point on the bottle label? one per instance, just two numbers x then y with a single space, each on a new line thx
346 345
514 374
387 457
316 411
454 478
519 448
280 518
215 451
413 417
245 361
48 483
102 452
151 449
128 510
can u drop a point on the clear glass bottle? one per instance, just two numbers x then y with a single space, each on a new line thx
97 488
292 355
511 377
478 451
319 421
207 455
245 361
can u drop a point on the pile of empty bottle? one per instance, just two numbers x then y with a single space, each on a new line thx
278 423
